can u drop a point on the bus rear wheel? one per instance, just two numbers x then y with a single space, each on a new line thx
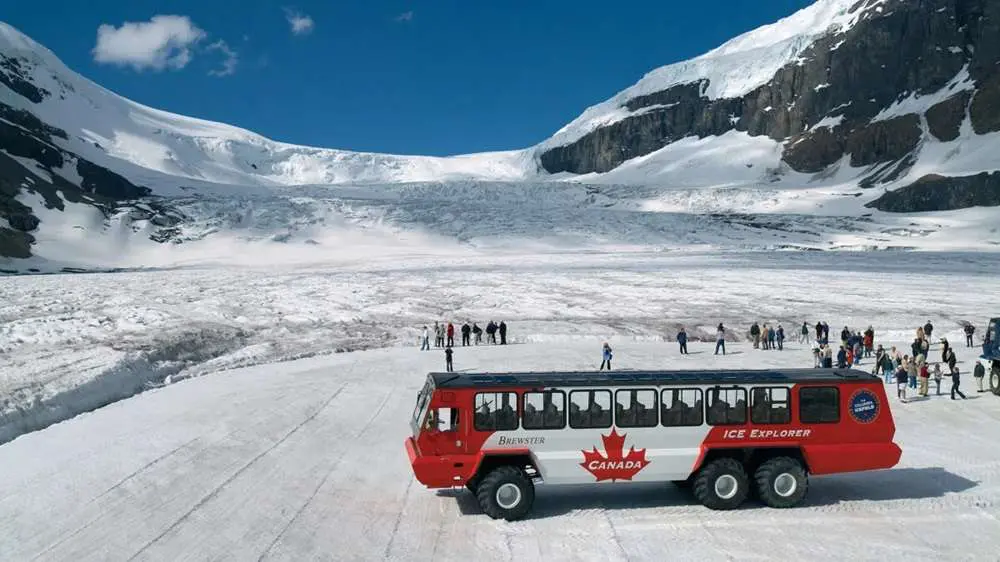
995 378
782 482
506 493
721 484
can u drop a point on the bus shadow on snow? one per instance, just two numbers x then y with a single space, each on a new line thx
886 485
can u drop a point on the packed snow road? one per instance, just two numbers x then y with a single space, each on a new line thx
305 461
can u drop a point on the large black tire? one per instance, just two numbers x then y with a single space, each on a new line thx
506 493
782 482
722 484
995 378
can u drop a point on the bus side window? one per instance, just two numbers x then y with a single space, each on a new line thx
770 406
495 411
727 406
443 419
590 409
681 407
635 408
544 410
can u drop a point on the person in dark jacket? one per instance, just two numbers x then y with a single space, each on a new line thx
804 334
955 380
842 358
451 334
720 339
447 359
682 339
979 373
466 334
928 328
819 332
755 335
901 381
944 349
503 332
969 331
771 336
478 332
491 332
780 337
845 335
951 360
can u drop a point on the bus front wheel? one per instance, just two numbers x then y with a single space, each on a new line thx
506 493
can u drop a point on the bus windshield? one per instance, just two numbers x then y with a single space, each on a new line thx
420 410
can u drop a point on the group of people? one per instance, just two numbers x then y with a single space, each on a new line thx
914 370
767 337
444 336
854 346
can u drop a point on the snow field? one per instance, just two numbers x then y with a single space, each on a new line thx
305 461
70 343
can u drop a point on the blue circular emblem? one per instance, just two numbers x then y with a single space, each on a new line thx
864 406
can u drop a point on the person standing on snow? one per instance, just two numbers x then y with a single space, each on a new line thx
478 332
845 335
827 357
819 332
869 341
842 358
755 335
606 356
951 359
720 339
438 335
780 336
804 334
969 330
937 377
451 334
682 339
955 381
826 333
491 333
770 337
466 333
979 373
928 329
503 332
923 375
425 341
901 376
448 359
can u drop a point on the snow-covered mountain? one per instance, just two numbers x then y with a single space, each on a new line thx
817 122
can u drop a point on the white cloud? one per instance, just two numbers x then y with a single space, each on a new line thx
405 16
162 42
228 65
300 23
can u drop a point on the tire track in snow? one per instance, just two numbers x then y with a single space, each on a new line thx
399 520
119 484
227 481
148 465
323 482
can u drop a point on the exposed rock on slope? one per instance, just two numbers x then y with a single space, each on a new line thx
845 94
939 193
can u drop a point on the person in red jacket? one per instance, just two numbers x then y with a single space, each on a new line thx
451 335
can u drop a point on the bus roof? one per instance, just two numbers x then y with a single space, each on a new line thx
645 378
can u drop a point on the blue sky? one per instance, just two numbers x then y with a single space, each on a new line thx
400 76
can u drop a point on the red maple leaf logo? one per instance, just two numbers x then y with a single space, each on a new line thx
614 466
